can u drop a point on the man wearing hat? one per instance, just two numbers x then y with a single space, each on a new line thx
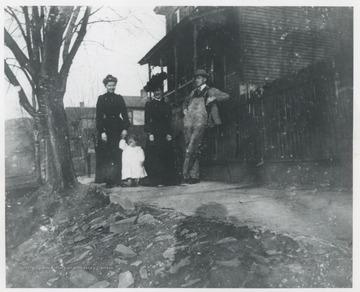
200 111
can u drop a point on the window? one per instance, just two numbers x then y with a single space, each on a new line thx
139 119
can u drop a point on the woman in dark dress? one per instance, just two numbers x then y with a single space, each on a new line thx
111 122
159 153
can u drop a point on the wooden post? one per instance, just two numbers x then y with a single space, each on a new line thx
195 36
161 65
149 67
176 71
224 63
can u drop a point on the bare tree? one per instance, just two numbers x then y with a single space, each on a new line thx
44 43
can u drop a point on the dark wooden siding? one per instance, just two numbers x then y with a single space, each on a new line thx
279 40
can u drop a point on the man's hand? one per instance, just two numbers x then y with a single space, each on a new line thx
210 99
168 138
151 137
104 137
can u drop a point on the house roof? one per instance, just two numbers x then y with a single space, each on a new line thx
170 37
163 10
134 101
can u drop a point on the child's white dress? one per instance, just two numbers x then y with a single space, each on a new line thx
132 161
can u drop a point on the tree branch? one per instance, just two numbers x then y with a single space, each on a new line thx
24 35
106 21
28 32
92 13
31 82
24 101
36 26
68 61
18 53
70 31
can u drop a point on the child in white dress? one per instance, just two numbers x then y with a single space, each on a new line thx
132 161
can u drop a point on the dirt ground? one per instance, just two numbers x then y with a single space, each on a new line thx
82 240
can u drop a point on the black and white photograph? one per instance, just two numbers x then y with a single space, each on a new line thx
149 145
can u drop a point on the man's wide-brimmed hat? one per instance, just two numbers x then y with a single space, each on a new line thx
109 78
200 72
156 82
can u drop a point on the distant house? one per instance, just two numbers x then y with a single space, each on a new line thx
19 153
288 71
82 128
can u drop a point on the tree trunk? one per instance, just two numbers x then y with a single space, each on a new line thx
37 153
55 126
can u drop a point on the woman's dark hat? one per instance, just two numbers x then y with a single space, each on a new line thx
156 82
200 72
109 78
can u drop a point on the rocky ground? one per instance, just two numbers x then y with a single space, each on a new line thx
84 241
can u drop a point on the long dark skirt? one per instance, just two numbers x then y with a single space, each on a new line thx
108 160
160 162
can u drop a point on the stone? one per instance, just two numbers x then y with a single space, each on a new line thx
191 282
51 281
164 237
83 255
111 219
78 258
261 270
231 263
169 253
107 238
101 284
85 227
125 280
79 238
110 274
226 240
271 252
96 220
125 203
182 263
24 248
149 245
147 219
143 272
184 231
181 247
191 235
118 228
121 262
137 263
125 251
82 279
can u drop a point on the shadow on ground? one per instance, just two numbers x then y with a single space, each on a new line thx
221 254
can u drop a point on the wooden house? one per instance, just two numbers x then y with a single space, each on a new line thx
288 71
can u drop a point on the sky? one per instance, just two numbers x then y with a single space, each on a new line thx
108 48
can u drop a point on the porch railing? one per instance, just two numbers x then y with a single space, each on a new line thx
176 97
